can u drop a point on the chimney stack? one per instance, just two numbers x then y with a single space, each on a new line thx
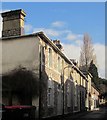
13 23
75 62
58 44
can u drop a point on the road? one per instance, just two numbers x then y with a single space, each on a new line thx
98 114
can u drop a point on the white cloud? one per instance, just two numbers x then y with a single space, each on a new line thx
71 37
76 38
67 34
102 73
52 32
78 42
49 32
100 53
80 36
72 51
58 24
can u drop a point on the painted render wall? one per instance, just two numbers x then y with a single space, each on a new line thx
20 52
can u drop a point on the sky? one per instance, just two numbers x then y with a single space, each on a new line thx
67 22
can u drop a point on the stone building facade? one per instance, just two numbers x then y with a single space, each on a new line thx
94 97
63 88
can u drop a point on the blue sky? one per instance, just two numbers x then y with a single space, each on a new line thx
67 21
79 17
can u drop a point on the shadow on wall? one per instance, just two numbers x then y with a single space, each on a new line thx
22 84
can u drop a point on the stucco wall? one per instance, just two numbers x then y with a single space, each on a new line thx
24 52
20 52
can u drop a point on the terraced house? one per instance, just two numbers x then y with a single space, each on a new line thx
36 72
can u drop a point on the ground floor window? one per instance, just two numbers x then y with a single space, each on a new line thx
50 93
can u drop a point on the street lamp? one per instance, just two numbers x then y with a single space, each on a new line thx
68 66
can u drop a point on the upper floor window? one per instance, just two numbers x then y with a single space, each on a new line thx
69 71
50 57
59 64
62 64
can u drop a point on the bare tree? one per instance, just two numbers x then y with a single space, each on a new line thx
87 53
